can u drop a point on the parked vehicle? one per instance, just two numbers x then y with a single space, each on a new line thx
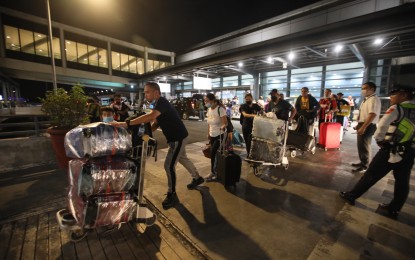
186 107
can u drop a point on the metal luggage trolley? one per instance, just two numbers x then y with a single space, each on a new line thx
132 209
268 145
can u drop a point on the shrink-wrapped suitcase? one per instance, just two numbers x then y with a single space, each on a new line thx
102 175
265 150
104 209
97 139
269 128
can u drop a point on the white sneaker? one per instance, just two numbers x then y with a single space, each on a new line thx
210 177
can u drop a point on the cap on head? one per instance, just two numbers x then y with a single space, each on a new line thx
340 94
402 88
273 91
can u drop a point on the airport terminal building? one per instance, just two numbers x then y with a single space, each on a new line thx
329 44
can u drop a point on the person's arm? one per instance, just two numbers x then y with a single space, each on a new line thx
147 118
367 122
223 119
154 126
292 115
391 115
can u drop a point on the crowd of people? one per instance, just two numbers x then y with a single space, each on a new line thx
394 132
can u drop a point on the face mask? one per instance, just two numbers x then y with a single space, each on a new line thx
274 98
107 119
248 102
208 105
364 92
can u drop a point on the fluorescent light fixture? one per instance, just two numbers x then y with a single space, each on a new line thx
291 56
202 83
240 64
338 48
378 41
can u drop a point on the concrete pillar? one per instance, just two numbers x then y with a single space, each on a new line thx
145 59
2 47
256 89
172 55
288 82
109 58
62 46
323 81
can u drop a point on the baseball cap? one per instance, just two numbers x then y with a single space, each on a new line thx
273 91
341 94
405 88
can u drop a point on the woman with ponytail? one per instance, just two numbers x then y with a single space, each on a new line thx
217 122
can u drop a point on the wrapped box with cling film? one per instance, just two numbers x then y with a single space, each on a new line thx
263 150
97 139
269 128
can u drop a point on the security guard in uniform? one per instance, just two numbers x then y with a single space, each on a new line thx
395 136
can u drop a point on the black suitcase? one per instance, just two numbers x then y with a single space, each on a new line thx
301 141
228 167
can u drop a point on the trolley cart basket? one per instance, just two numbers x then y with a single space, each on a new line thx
268 144
108 211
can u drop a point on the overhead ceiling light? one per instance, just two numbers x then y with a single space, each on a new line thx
8 37
378 41
291 56
269 59
164 77
338 48
240 64
132 86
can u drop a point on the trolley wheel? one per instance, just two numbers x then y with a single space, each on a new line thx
285 166
293 153
78 235
151 221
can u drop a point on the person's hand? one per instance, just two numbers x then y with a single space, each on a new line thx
361 131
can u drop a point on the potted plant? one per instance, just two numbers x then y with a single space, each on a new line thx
65 111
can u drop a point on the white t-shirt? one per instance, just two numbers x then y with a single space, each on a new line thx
214 120
370 105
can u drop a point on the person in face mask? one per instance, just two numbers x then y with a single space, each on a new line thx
369 112
280 107
107 114
248 112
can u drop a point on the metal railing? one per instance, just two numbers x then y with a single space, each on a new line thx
12 126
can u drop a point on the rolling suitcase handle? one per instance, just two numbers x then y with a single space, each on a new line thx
222 143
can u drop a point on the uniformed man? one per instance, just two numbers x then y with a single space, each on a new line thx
395 136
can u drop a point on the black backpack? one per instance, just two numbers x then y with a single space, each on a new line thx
229 127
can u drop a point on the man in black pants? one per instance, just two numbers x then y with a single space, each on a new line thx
166 116
395 137
368 117
248 112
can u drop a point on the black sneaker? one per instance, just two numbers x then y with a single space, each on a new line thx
170 200
195 182
385 210
346 196
361 169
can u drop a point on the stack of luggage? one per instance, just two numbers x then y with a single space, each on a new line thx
102 177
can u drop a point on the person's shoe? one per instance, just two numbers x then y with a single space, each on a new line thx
195 183
346 196
384 210
361 169
170 200
359 164
210 177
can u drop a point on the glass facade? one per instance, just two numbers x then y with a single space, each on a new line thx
346 78
78 51
231 81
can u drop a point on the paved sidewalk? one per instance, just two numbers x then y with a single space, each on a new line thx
293 214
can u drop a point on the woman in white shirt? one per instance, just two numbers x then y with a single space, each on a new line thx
217 121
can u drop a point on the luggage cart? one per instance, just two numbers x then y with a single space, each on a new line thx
298 140
141 214
268 145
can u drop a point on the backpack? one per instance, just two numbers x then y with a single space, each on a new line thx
229 127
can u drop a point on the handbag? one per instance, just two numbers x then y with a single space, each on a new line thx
207 150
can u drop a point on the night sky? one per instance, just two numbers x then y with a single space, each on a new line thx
172 25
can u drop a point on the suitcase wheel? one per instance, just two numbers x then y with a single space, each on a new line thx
78 235
325 149
293 153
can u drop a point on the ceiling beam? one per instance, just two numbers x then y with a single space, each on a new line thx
324 55
358 52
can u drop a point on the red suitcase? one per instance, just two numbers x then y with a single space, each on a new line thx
329 136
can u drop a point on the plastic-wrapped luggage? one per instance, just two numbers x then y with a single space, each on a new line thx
97 139
265 150
269 129
102 175
105 209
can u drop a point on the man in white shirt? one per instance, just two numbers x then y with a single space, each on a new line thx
395 136
368 118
